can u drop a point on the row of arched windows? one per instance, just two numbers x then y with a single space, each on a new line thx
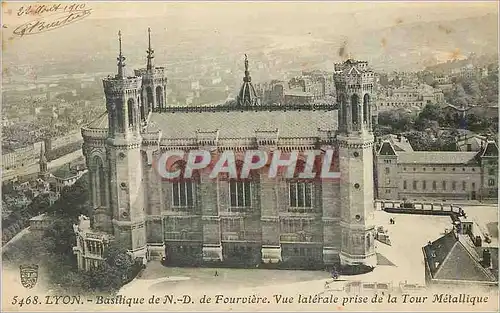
358 113
132 115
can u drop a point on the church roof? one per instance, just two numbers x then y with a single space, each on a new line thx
454 257
437 157
100 122
243 124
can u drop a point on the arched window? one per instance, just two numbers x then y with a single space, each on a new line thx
130 108
343 110
183 188
354 109
141 106
159 97
240 191
119 117
99 182
149 97
366 108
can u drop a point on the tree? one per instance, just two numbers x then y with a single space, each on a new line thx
62 236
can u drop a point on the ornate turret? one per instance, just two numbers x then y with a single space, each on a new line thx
247 96
122 100
154 84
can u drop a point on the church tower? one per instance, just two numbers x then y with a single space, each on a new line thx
154 84
247 96
44 174
354 82
126 204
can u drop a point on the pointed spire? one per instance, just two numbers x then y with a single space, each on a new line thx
42 162
150 52
247 77
121 58
42 153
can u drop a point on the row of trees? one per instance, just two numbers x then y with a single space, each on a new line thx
63 150
19 219
424 131
55 250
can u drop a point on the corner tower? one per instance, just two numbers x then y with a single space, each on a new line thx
154 84
126 204
354 82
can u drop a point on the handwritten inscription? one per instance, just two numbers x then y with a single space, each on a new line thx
50 17
40 9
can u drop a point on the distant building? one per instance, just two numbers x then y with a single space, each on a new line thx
469 141
415 97
66 176
19 158
407 174
40 223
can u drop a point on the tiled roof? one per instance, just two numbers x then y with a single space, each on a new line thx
437 157
453 257
100 123
243 124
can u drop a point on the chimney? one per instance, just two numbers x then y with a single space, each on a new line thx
486 258
478 242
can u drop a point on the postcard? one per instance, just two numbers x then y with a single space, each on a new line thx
250 156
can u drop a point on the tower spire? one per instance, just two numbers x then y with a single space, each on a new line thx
247 77
121 58
43 162
150 52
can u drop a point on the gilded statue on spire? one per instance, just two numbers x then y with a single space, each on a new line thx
121 58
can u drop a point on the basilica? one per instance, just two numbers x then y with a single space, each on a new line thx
274 221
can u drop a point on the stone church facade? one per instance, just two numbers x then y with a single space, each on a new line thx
249 222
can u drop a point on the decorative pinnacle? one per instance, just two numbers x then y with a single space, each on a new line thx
121 58
247 77
150 52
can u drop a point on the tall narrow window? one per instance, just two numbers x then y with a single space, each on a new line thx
414 185
404 185
387 170
354 109
464 186
491 182
434 185
182 194
100 182
366 104
424 185
159 97
453 185
149 97
444 185
240 194
300 195
130 109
